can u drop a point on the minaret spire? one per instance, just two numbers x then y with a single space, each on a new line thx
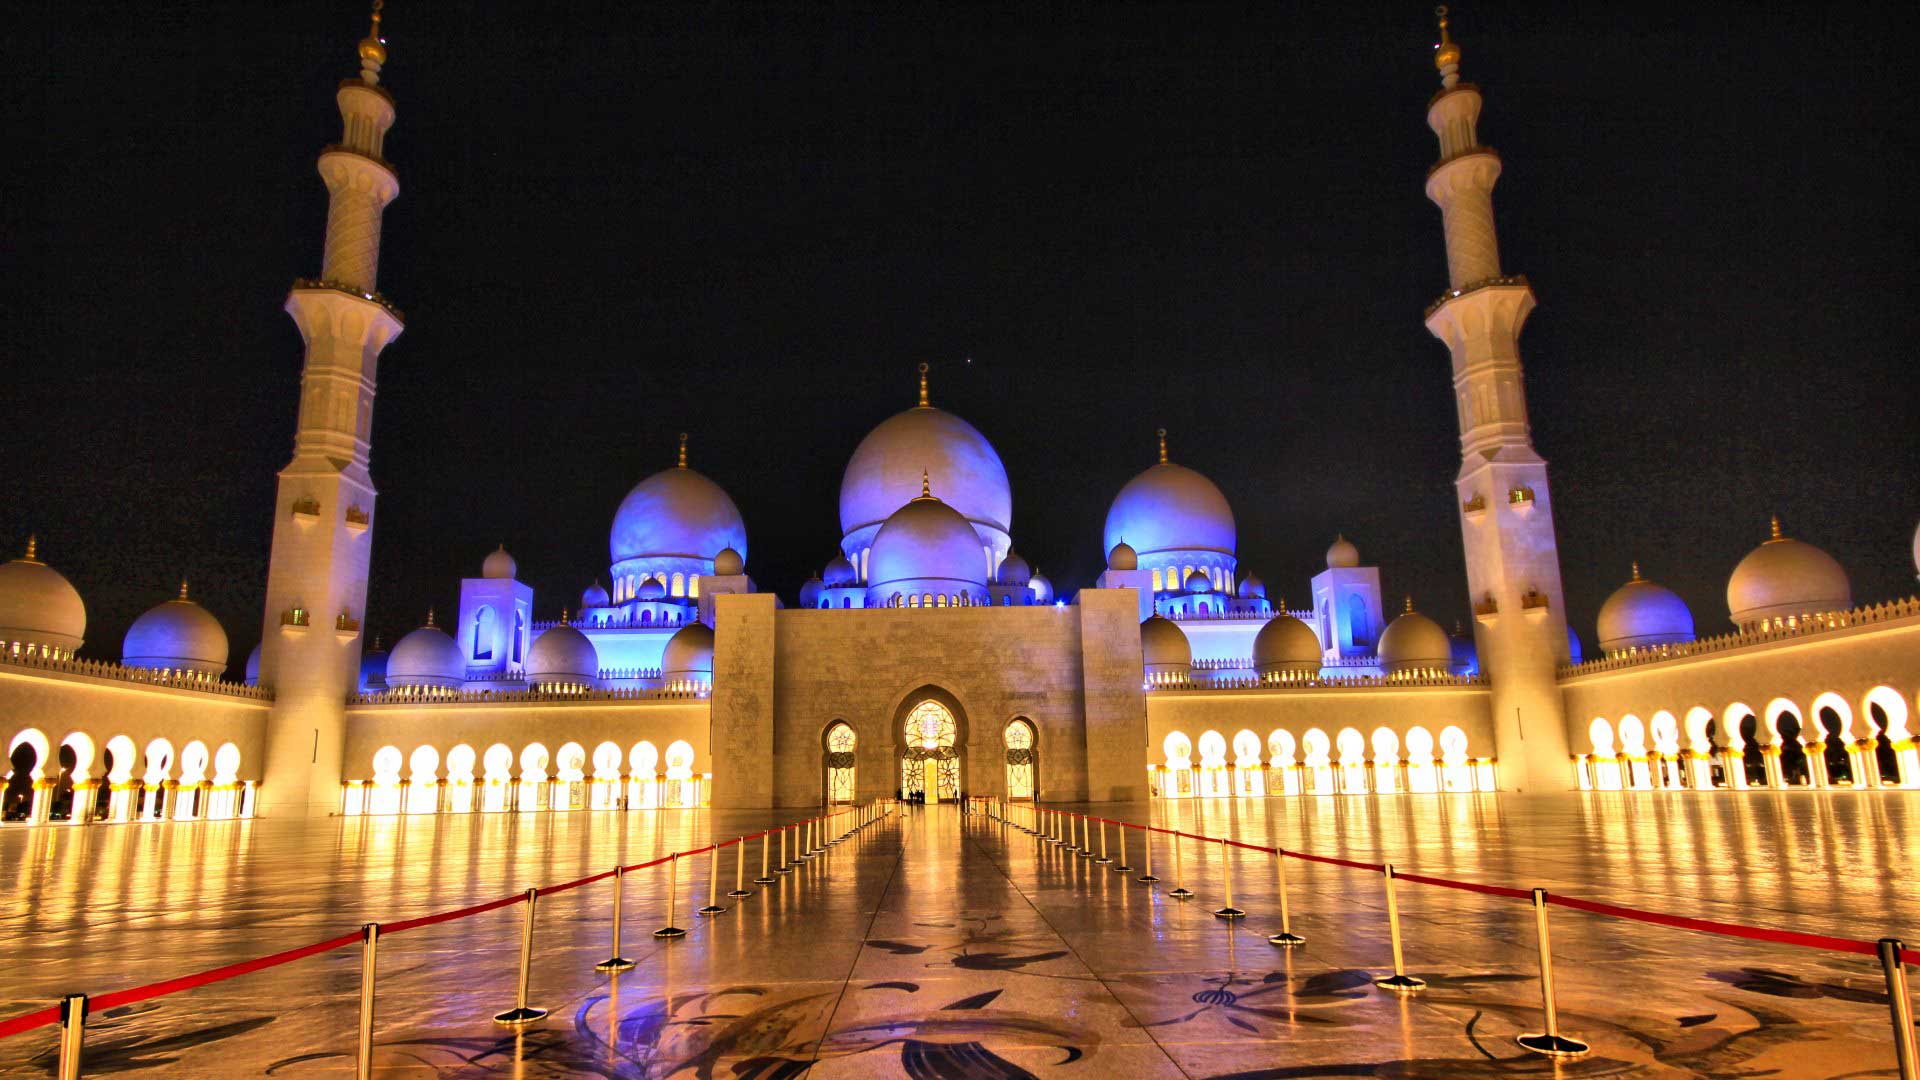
1506 509
323 511
683 450
1162 434
923 386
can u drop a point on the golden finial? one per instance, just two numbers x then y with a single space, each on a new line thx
1409 607
373 48
926 485
1162 433
923 385
683 449
1775 520
429 617
1446 55
33 548
1636 571
563 616
183 588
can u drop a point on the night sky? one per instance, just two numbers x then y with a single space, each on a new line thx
750 222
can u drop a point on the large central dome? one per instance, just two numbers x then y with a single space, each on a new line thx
676 513
885 471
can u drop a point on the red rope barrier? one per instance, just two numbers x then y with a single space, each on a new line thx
1710 926
29 1021
1468 886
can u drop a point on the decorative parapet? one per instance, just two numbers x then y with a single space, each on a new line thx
1321 682
1507 280
1832 622
350 290
1463 152
1235 616
428 695
177 680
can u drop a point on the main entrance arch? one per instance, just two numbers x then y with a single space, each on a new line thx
932 747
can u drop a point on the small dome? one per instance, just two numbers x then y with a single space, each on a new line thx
810 593
499 564
1123 557
1642 613
1014 570
1198 582
840 573
1342 555
1783 578
1574 651
927 541
651 589
562 655
178 635
373 669
1286 644
594 596
1041 587
426 657
253 667
39 606
1164 648
1252 588
729 563
689 655
1414 642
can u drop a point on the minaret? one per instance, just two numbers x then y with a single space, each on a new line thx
1506 511
323 517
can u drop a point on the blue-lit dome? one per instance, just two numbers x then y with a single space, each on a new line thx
1574 651
1014 570
839 573
1641 613
562 655
178 635
1466 652
885 471
1041 587
1170 508
1252 588
810 592
253 667
651 589
927 547
594 596
676 513
427 657
1198 582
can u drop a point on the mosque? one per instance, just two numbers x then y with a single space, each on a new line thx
928 657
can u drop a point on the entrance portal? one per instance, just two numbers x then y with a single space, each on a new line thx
930 767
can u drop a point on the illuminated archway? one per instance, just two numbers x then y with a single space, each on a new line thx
1178 751
839 762
930 765
1023 765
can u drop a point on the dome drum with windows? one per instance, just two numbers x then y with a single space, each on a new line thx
672 528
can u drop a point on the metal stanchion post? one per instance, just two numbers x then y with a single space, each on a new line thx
673 893
1549 1042
786 865
1179 890
766 847
1103 860
616 962
521 1015
1120 866
369 962
713 884
73 1033
1896 969
740 869
1286 938
1226 864
1399 981
1146 841
1086 837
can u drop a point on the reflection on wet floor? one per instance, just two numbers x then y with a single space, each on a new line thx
937 945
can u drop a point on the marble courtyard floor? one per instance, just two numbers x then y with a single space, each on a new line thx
936 945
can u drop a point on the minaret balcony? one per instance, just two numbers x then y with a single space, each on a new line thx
1486 610
346 627
1475 508
306 511
1503 281
358 520
1520 500
1535 604
295 619
314 284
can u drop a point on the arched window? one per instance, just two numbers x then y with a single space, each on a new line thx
840 763
693 586
913 601
926 599
678 586
519 634
646 618
1358 626
1022 768
864 552
483 633
931 763
1157 585
940 601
